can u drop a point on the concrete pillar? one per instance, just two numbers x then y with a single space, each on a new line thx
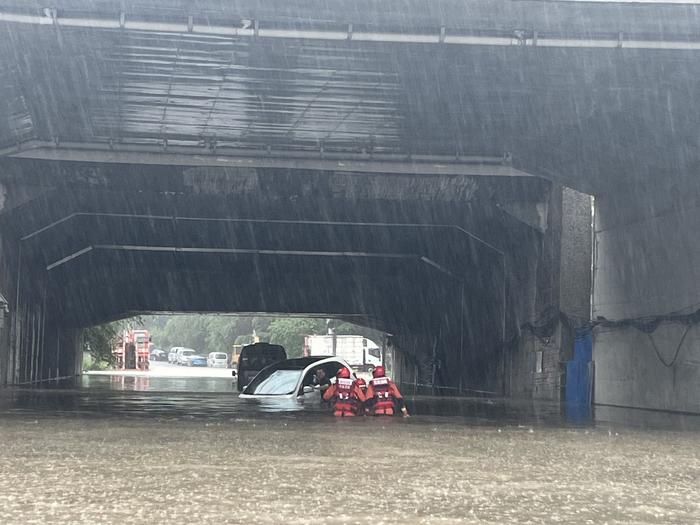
5 370
7 306
534 362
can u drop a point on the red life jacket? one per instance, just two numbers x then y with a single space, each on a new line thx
383 400
345 398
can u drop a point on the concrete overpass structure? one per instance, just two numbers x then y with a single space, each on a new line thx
420 166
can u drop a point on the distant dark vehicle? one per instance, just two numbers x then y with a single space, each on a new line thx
254 358
158 355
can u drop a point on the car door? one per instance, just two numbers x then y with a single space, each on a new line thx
307 382
330 368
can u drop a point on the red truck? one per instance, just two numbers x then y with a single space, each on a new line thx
131 350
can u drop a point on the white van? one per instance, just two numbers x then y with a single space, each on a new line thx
217 360
184 355
172 355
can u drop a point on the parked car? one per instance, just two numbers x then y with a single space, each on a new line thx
292 379
255 357
196 360
217 360
183 355
157 355
172 354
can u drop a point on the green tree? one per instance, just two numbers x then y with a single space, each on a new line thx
186 330
99 340
218 333
243 339
221 333
290 331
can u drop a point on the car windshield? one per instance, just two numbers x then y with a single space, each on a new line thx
188 352
274 382
219 356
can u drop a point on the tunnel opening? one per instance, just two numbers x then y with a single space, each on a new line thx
451 266
190 352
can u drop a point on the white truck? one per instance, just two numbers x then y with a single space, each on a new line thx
358 351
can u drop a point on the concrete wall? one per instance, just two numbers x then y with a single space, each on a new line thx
7 257
575 259
647 264
34 344
534 366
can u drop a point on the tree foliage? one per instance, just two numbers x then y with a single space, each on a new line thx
289 332
99 340
218 333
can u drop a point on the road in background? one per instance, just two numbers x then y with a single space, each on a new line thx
165 369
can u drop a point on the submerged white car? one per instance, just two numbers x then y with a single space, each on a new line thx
292 379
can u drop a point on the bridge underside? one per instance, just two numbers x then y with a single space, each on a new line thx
429 263
604 96
330 158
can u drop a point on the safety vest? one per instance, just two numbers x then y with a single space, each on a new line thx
383 399
345 399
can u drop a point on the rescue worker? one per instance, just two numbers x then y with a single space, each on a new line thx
383 396
347 396
363 386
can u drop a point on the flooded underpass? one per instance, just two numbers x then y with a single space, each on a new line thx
498 198
122 449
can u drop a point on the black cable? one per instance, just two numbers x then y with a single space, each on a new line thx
678 348
543 328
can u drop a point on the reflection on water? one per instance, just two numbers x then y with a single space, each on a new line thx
215 398
157 384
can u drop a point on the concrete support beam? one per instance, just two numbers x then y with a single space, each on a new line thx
534 364
646 265
439 36
124 153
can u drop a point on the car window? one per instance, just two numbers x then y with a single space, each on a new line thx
309 378
374 352
220 356
332 368
187 352
274 382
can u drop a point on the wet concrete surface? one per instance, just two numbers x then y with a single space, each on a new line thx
187 450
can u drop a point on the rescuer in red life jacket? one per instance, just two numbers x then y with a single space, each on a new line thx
363 386
383 396
347 396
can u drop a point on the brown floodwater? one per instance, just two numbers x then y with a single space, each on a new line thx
187 450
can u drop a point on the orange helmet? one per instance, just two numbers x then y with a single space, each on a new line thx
343 373
378 371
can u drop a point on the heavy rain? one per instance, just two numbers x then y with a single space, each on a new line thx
398 261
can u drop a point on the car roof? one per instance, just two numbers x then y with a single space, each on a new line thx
304 363
263 348
301 363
